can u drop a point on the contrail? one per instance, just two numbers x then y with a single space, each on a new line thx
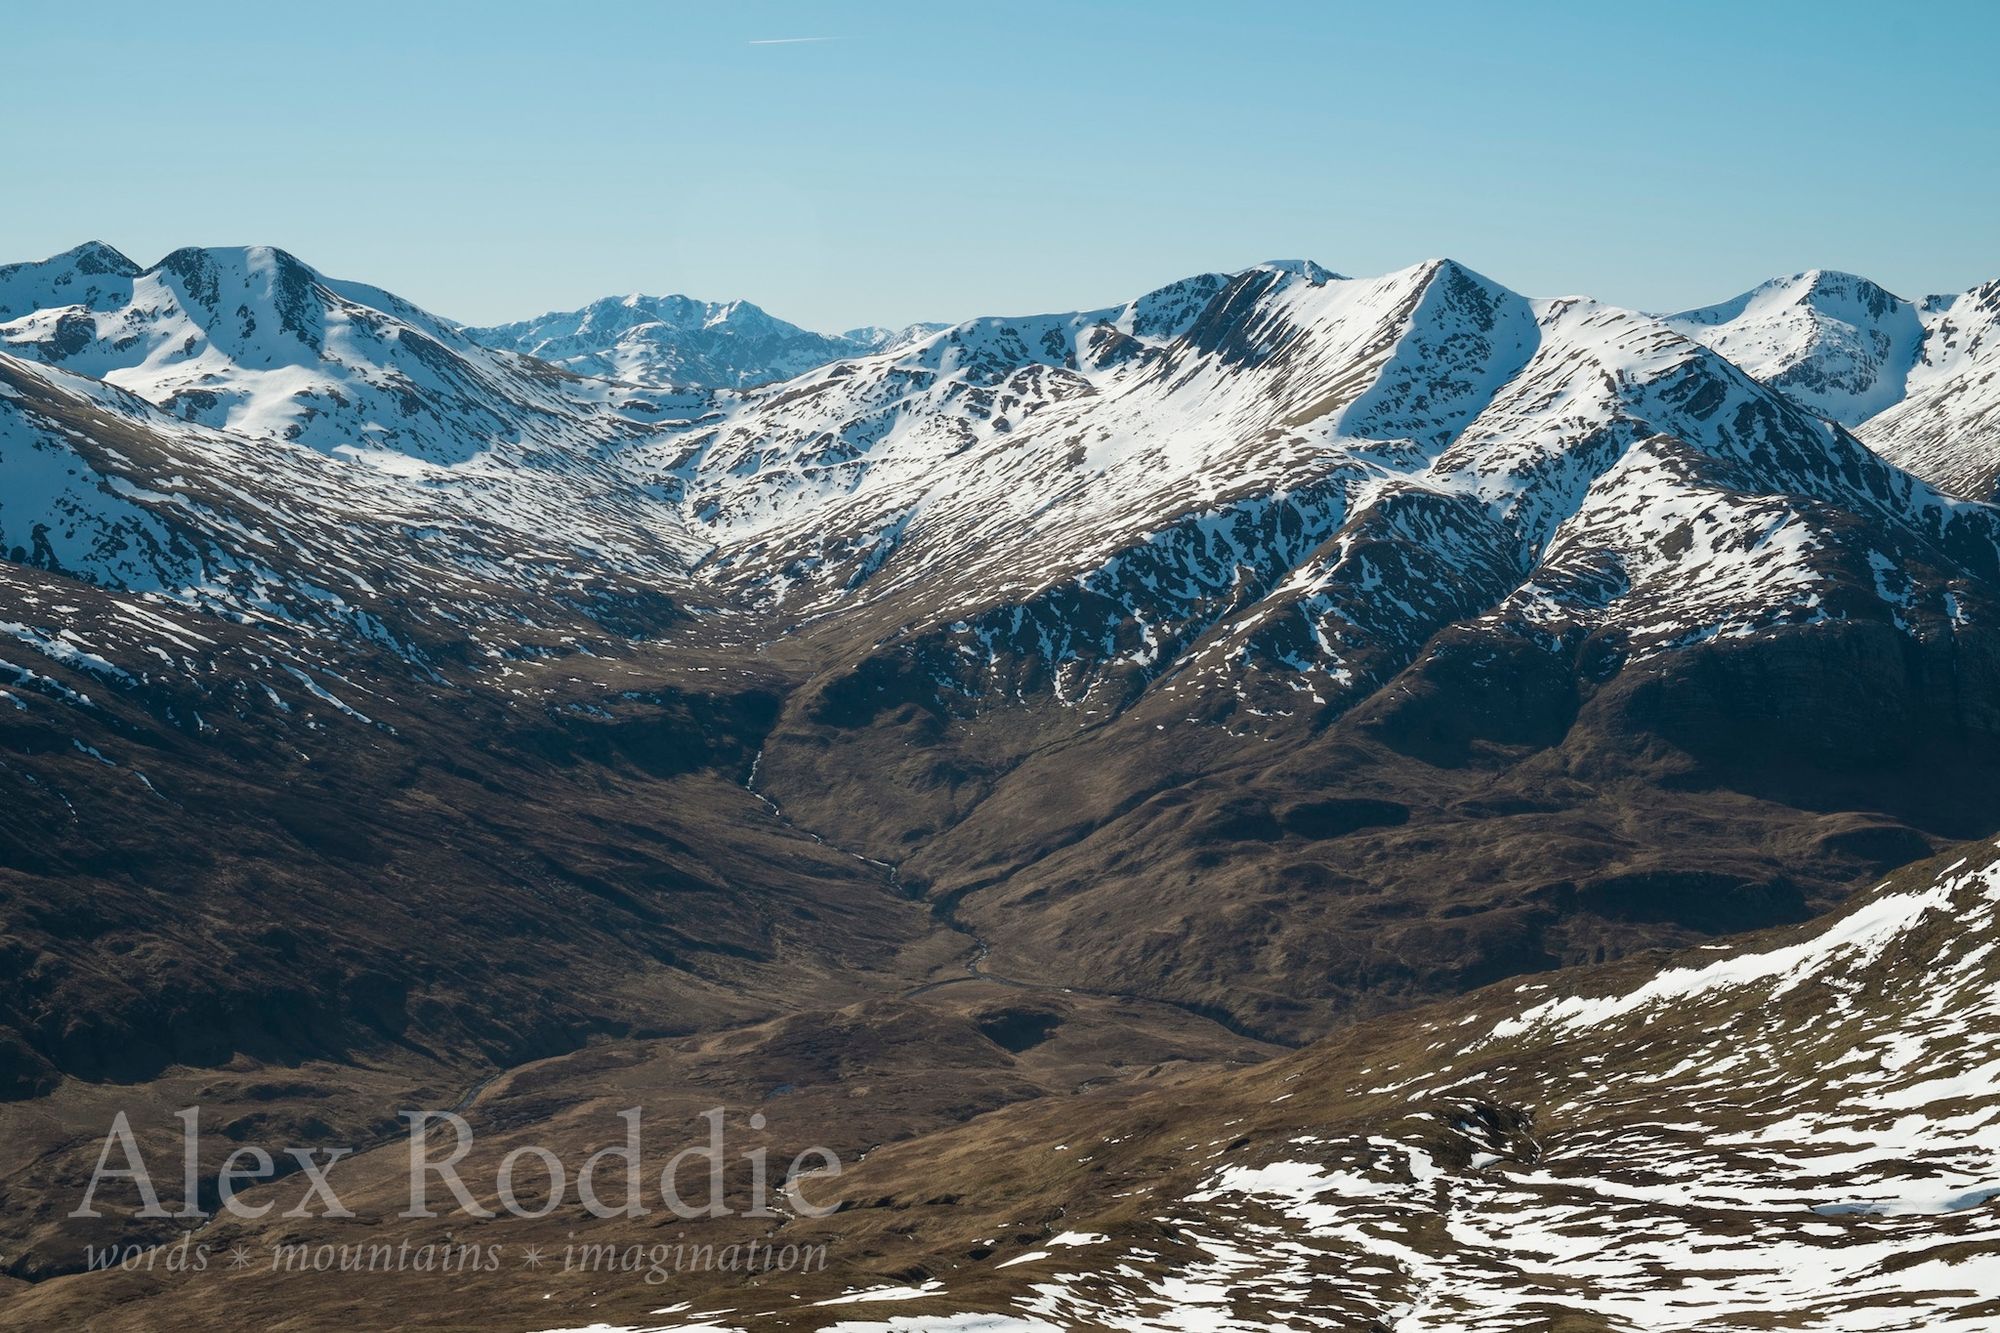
788 41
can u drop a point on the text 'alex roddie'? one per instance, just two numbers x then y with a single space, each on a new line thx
439 1141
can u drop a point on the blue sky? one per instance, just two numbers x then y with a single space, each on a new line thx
494 160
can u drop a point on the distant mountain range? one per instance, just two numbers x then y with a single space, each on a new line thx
1270 652
679 341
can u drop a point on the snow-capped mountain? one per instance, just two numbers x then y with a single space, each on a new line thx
1279 504
677 341
1834 342
235 431
1295 473
1919 381
254 342
880 338
93 276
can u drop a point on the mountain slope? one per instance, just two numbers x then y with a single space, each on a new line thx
327 554
1787 1133
1791 1132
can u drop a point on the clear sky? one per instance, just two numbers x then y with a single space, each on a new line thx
935 161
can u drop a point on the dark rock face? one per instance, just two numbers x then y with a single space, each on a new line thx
1339 816
1856 717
